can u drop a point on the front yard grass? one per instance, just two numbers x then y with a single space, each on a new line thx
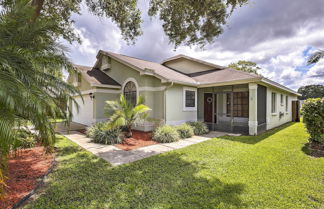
267 171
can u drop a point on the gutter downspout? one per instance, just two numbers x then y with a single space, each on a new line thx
169 86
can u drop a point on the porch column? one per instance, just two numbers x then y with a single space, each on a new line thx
253 117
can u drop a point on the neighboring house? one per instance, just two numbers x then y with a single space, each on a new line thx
183 89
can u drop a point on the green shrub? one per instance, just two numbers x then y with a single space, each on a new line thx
165 134
199 127
24 139
110 136
313 117
95 127
185 131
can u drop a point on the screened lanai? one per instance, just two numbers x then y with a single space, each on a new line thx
226 108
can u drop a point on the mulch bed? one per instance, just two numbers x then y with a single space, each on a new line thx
139 139
24 171
316 148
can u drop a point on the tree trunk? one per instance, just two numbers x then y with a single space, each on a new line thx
129 132
38 4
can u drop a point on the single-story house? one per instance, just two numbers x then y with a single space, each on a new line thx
182 89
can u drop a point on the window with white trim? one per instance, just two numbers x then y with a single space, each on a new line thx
281 100
190 99
273 102
286 103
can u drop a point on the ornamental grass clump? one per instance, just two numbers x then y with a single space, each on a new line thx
313 117
185 131
109 136
165 134
199 127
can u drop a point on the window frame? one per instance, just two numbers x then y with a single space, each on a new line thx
287 101
236 110
274 107
281 99
136 85
185 108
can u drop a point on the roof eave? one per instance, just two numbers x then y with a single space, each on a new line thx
233 82
272 83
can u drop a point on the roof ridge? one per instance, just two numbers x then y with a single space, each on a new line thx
131 57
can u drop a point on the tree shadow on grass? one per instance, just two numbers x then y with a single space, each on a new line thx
258 138
162 181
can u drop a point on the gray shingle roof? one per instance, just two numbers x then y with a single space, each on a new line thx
96 76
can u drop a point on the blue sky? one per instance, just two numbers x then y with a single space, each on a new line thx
279 35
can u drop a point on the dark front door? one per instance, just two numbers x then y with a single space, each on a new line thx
208 107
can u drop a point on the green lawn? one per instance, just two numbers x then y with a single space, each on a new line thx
268 171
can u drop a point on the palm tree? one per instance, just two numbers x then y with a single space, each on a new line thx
123 113
30 57
314 58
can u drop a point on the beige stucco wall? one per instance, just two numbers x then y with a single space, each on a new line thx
148 86
187 66
273 120
175 113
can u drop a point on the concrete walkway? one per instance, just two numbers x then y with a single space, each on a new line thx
116 156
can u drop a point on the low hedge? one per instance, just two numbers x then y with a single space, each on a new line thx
313 117
165 134
199 127
185 131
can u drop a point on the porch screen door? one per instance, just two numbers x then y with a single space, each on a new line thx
208 107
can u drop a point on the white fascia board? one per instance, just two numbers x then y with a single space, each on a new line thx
105 86
272 83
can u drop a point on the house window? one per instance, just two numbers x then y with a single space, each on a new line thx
273 102
190 99
281 100
286 103
240 104
130 92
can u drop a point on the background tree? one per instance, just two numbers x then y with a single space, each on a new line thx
246 66
311 91
30 59
314 58
184 21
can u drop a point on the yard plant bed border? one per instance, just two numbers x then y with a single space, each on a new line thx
34 166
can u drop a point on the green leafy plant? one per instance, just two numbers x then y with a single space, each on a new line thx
313 117
110 136
165 134
95 127
199 127
24 139
122 113
185 131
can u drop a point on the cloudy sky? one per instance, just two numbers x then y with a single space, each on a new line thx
278 35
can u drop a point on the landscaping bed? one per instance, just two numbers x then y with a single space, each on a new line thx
139 139
24 172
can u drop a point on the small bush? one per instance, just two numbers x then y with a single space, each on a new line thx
24 139
199 127
101 126
185 131
110 136
313 117
165 134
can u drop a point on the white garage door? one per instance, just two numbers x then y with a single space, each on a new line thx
85 114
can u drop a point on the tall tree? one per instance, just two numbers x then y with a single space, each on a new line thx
184 21
30 57
246 66
314 58
311 91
